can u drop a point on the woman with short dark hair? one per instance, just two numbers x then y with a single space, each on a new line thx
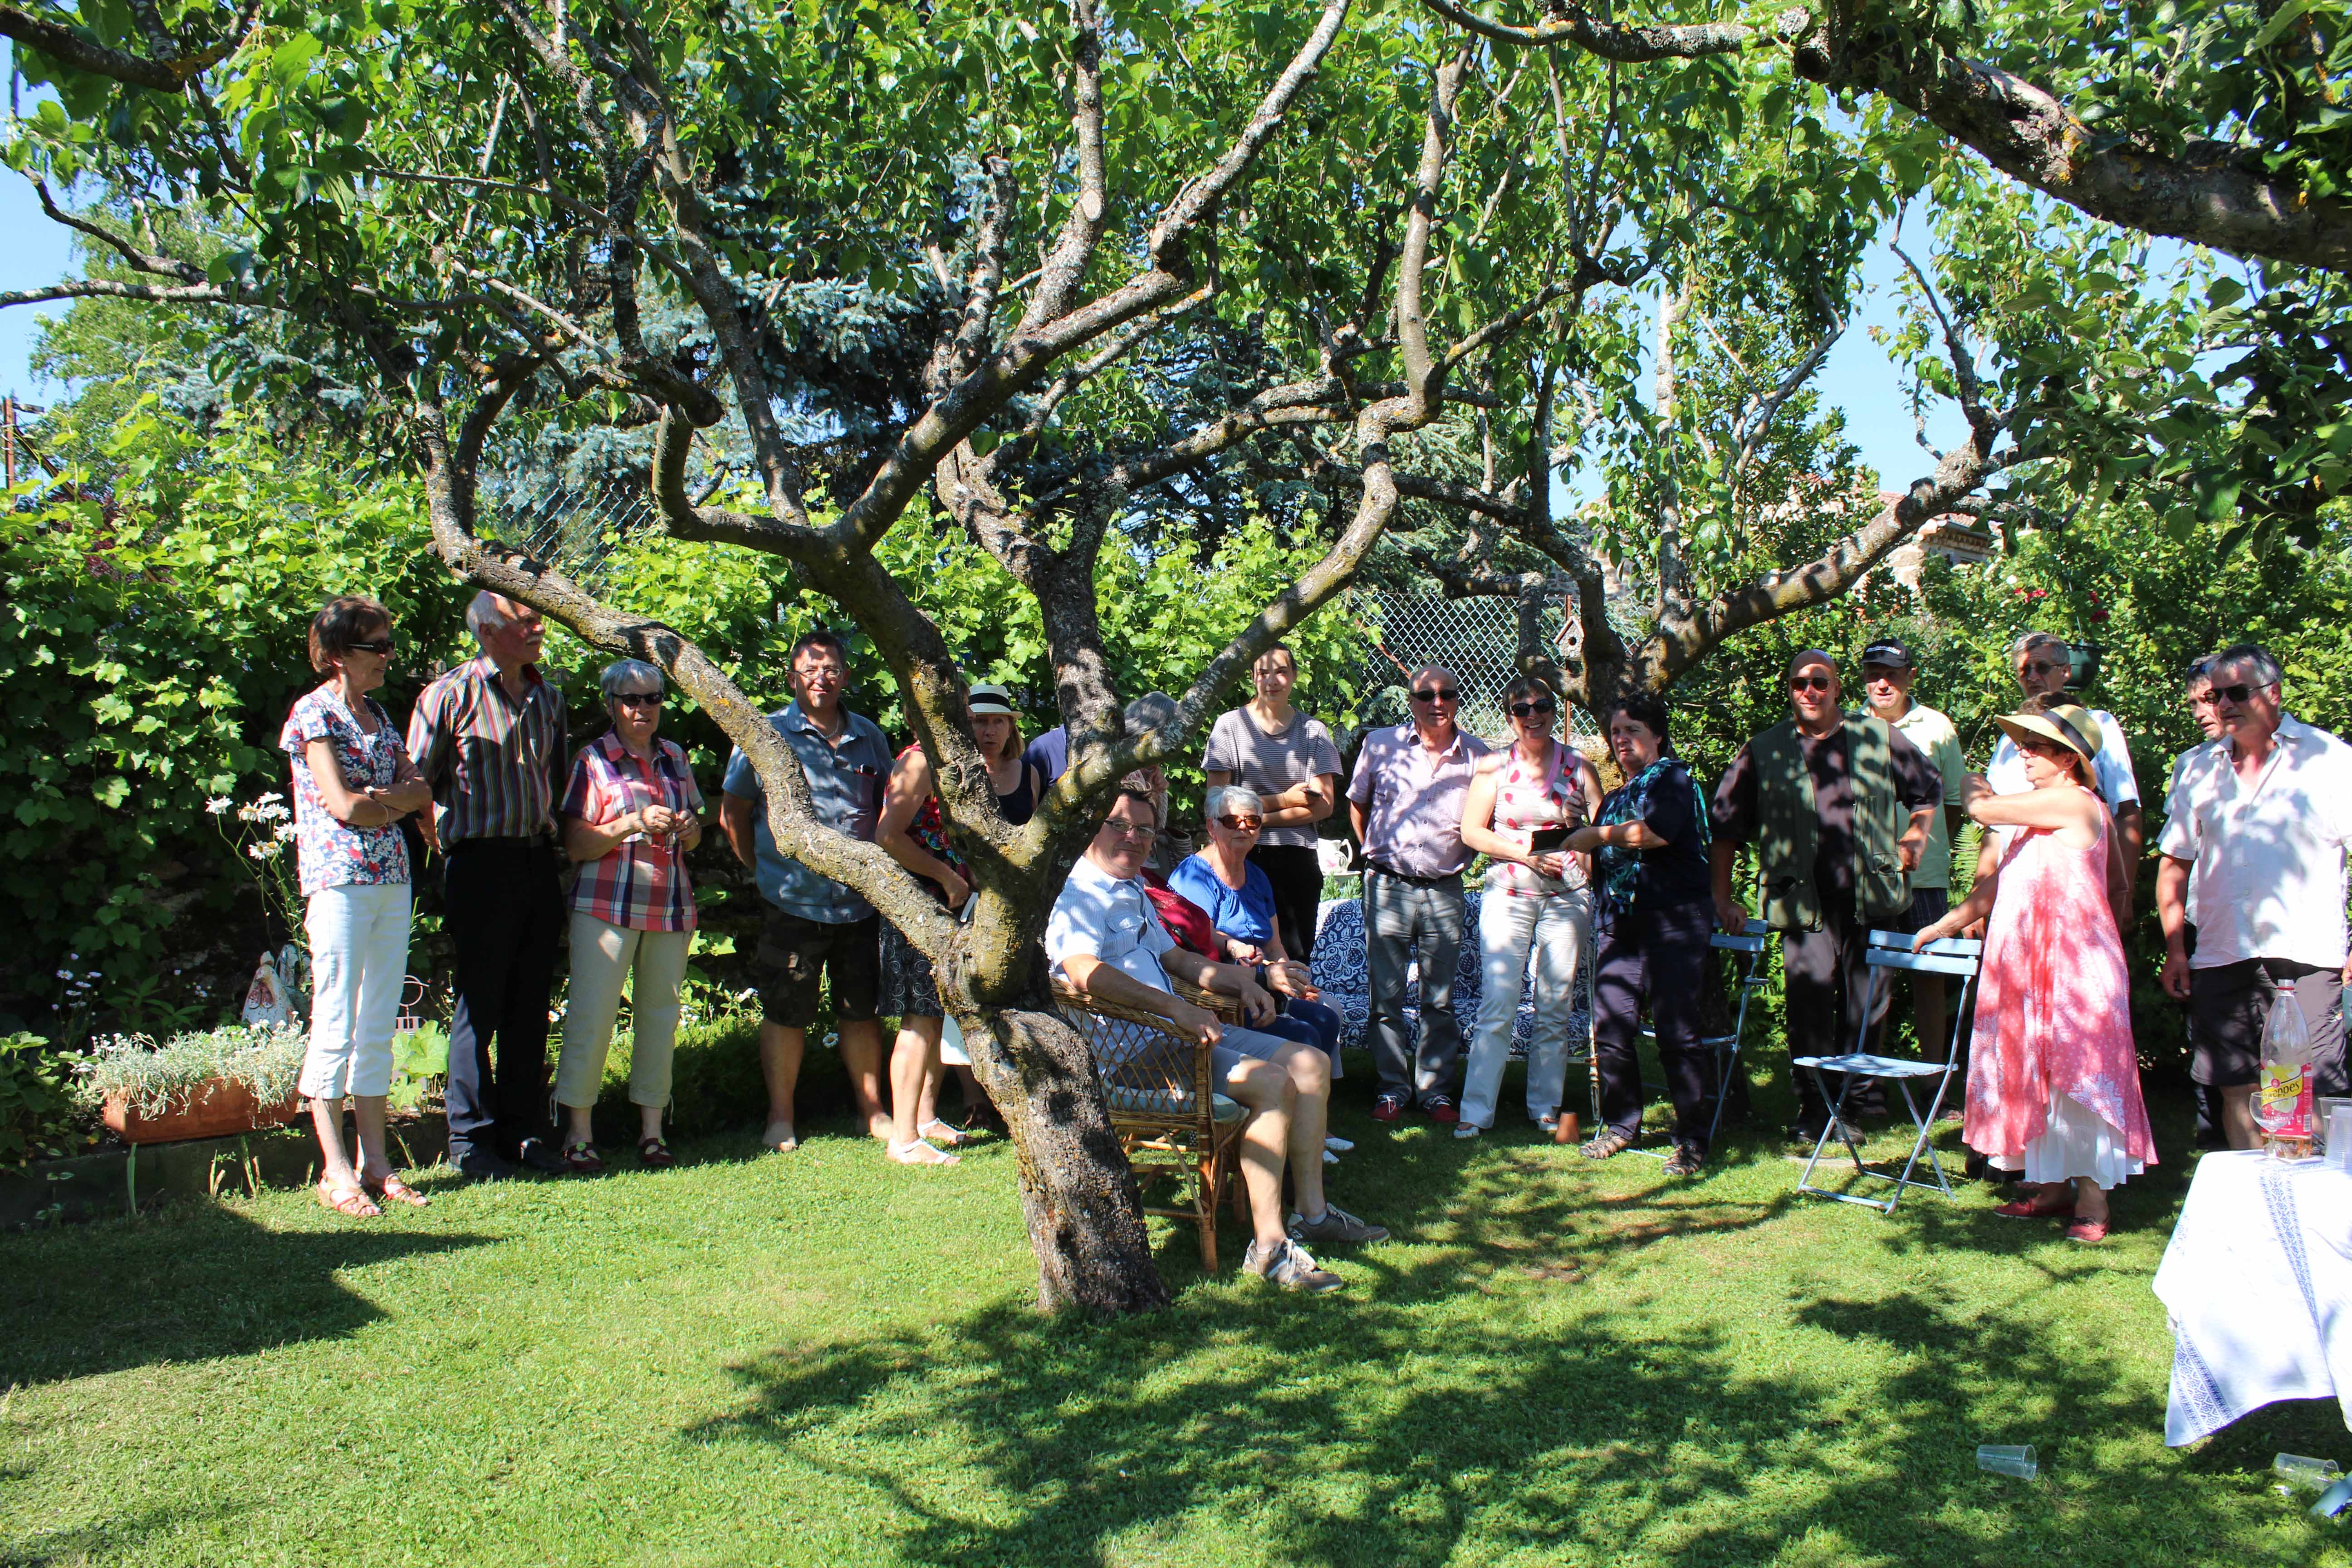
1648 842
353 782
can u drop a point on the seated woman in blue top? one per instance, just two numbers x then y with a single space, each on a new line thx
1240 901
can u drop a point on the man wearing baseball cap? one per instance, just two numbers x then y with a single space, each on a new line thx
1887 672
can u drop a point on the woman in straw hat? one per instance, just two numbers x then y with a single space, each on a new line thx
2053 1081
916 834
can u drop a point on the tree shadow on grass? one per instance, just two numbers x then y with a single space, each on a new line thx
189 1283
1468 1399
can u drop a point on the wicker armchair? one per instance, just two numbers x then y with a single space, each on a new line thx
1163 1105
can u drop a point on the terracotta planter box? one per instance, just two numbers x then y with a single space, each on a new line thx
219 1110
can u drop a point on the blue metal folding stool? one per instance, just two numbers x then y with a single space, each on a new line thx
1891 950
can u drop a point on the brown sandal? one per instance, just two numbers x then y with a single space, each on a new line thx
397 1191
349 1200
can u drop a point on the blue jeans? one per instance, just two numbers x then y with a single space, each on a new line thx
1309 1024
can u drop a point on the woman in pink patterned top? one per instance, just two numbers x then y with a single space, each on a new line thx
2053 1080
631 813
352 784
1518 809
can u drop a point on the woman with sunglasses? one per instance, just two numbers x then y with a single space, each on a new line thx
1225 881
1520 808
2054 1077
353 782
631 813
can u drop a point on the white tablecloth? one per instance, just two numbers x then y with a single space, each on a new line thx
2258 1282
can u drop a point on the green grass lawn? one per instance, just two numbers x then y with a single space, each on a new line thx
824 1358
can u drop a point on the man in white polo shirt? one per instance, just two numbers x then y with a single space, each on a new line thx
2042 666
2255 830
1107 940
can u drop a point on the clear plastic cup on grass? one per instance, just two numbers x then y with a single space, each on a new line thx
2009 1459
2310 1474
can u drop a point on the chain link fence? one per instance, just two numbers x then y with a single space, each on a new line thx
573 529
1477 640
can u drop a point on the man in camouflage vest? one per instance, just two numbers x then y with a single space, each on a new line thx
1838 806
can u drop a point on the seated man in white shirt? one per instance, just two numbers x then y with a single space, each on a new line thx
2255 832
1106 940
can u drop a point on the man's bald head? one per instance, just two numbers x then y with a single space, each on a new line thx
1806 658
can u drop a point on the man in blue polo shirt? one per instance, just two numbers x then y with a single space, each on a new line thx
815 926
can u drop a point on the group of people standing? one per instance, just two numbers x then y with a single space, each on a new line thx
1850 814
485 778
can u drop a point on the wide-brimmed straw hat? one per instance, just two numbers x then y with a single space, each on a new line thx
2071 727
988 697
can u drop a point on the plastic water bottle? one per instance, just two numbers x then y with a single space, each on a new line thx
2283 1095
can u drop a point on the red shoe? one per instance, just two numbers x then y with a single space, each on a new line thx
1388 1107
2086 1230
2028 1208
1441 1108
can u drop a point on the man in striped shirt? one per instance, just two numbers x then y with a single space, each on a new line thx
489 736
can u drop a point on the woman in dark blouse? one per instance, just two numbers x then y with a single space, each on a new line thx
1649 849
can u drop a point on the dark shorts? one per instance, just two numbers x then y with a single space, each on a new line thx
907 989
1929 905
2230 1003
794 953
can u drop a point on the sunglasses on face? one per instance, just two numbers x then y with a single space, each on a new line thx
1437 694
1810 683
638 698
2237 694
2040 667
1530 709
1118 829
381 645
1242 824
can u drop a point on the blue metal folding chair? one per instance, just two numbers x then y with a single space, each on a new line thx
1752 945
1890 951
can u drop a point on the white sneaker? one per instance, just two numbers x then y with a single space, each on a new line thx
1330 1158
1339 1145
1289 1266
1467 1130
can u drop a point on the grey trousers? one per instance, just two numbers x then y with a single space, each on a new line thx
1398 916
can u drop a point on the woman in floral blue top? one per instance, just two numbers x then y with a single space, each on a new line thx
1649 847
352 784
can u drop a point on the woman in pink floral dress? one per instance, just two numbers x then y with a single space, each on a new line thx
2053 1081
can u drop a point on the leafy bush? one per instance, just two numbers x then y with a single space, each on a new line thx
39 1116
158 1079
150 648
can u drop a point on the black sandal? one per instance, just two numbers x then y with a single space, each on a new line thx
654 1154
